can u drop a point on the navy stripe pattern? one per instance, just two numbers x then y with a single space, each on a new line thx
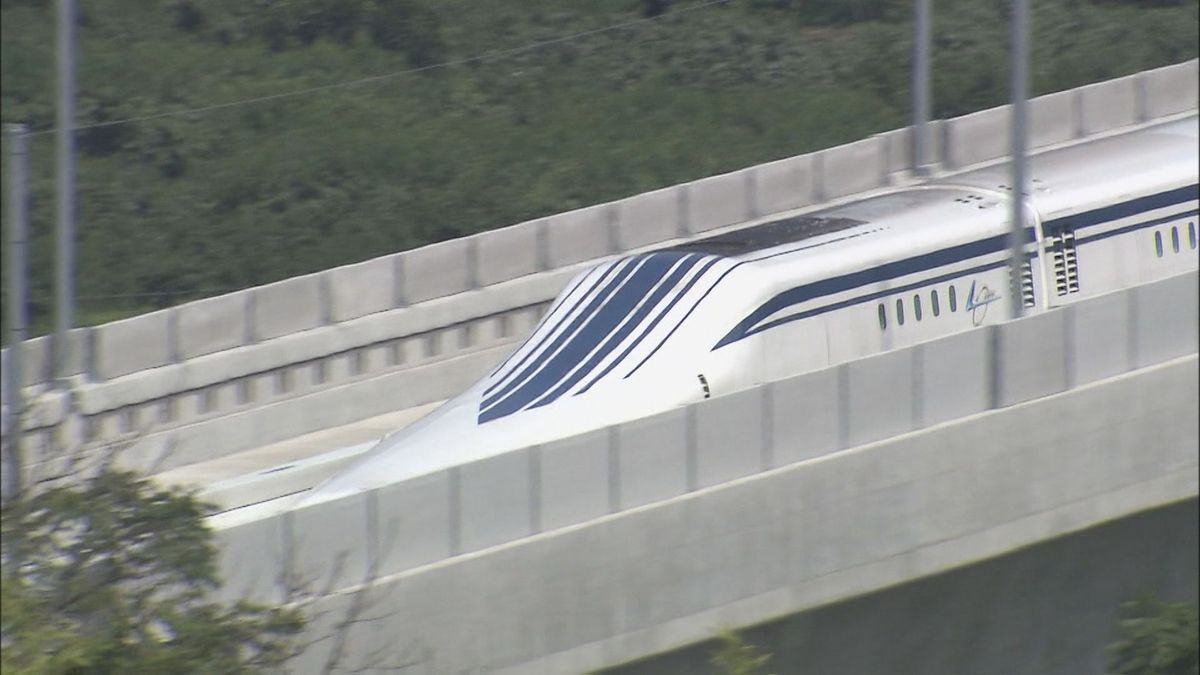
610 314
753 323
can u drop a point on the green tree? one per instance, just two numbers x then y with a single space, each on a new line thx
734 656
1156 638
114 574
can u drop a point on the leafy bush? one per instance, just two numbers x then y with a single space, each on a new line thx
114 576
1156 638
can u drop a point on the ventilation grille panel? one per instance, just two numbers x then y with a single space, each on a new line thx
1060 246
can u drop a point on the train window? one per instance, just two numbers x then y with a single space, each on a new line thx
933 300
953 299
1175 239
1158 243
899 312
917 307
882 317
1192 234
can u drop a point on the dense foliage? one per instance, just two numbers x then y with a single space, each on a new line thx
1156 638
114 576
176 207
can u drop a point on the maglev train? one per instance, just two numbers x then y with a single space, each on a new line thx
649 332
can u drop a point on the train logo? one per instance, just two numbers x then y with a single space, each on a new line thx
978 305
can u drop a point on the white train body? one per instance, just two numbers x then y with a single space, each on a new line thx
651 332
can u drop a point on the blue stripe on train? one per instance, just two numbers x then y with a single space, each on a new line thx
598 294
653 324
616 338
893 270
602 318
1095 217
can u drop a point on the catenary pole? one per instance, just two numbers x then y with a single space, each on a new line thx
1020 94
922 106
17 271
65 230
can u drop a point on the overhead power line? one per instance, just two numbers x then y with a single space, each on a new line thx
479 58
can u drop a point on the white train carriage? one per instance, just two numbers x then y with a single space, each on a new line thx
650 332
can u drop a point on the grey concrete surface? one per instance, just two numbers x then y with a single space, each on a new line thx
252 559
214 324
414 520
35 361
1054 118
729 437
1170 90
363 288
653 461
1034 356
977 137
717 201
820 531
1109 105
288 417
496 500
290 306
879 396
953 376
1050 609
1099 330
574 475
1166 315
580 235
898 148
784 184
649 218
508 253
807 410
854 167
132 345
436 271
329 544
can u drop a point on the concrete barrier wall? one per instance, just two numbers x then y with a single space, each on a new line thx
290 306
785 184
1170 90
978 137
578 236
214 324
148 359
1109 105
364 288
658 458
854 167
509 253
133 345
650 218
654 578
437 271
719 201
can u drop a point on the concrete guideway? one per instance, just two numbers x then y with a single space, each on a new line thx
288 467
636 539
213 377
1050 608
672 573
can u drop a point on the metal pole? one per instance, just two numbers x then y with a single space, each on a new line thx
65 233
1020 93
18 237
921 99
